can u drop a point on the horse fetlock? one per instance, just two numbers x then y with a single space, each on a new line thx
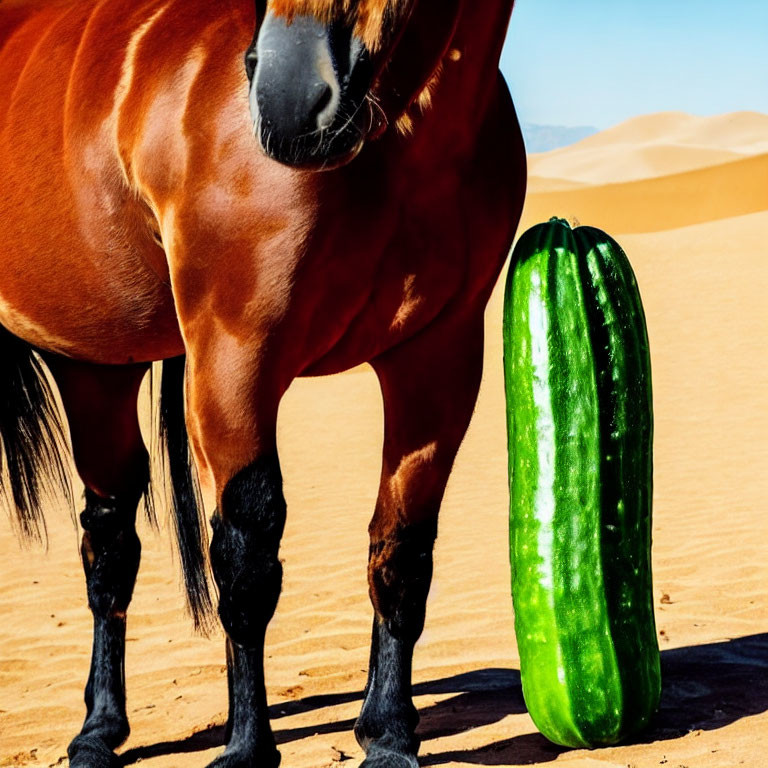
390 751
110 727
384 725
91 752
111 553
250 740
240 757
387 758
399 576
388 719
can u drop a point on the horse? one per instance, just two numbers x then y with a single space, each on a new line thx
249 191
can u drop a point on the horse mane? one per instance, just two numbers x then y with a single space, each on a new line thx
370 16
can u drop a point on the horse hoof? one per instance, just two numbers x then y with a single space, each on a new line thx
240 758
386 758
90 752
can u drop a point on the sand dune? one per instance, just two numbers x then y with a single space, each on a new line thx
599 165
697 241
740 132
654 145
664 202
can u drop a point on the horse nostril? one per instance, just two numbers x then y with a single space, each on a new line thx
251 60
307 88
325 93
324 109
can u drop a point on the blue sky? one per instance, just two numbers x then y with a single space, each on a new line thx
598 62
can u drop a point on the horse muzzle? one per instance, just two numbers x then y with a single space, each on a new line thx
308 91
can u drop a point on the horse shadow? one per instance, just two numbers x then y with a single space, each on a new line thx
705 687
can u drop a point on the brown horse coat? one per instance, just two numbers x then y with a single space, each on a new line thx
140 221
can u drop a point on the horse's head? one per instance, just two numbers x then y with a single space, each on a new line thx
324 74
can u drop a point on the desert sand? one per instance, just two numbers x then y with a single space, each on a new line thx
688 199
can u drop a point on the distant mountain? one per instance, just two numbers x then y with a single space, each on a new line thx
542 138
741 132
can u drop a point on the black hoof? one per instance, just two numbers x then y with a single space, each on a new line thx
379 757
242 758
90 752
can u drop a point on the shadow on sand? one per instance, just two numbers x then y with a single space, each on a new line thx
704 687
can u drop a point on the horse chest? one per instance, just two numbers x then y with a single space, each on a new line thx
406 280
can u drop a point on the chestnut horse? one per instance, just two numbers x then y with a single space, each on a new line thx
346 193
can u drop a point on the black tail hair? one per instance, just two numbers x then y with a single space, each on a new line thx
34 468
33 441
185 496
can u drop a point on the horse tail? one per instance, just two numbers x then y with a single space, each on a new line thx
185 496
33 438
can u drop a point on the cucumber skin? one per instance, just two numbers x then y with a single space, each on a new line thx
579 420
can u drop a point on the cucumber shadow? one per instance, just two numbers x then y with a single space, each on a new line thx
705 687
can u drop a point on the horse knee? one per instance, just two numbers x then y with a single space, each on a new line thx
111 552
399 576
244 550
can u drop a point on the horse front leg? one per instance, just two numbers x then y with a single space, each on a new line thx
429 386
100 403
232 412
247 528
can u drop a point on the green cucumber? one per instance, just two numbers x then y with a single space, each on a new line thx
580 426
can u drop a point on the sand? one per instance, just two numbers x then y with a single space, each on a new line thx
701 260
656 145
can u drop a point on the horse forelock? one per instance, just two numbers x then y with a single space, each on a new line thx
370 17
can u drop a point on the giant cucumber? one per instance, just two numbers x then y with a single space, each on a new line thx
580 425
